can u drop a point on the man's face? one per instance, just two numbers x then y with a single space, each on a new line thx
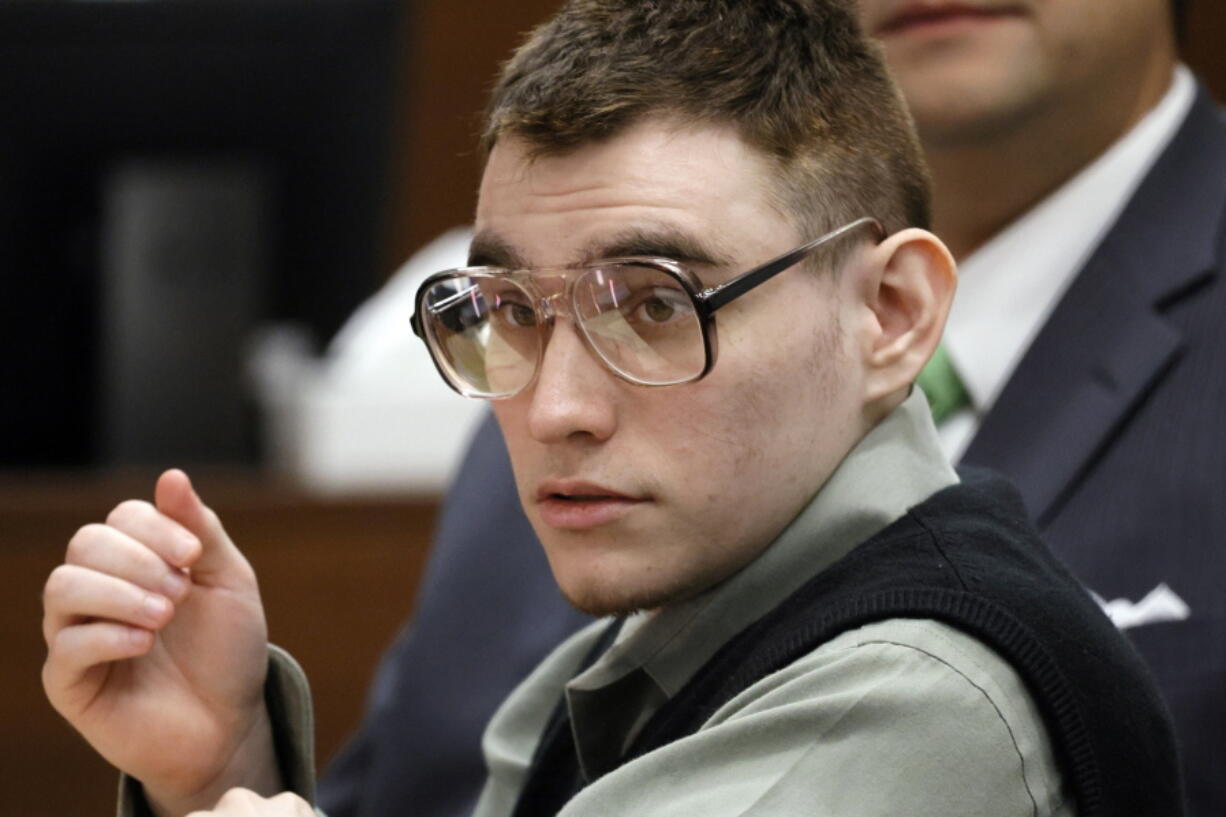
974 68
644 496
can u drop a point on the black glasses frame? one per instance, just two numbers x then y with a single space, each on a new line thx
706 300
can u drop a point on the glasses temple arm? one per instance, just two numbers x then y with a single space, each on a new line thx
718 296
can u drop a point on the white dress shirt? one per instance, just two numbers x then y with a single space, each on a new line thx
1009 286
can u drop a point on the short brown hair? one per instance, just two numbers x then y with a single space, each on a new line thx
796 78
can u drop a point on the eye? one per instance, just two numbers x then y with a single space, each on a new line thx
661 305
513 310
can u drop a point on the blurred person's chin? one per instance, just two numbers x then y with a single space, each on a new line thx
973 69
967 78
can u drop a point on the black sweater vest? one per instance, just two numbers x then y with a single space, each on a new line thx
966 557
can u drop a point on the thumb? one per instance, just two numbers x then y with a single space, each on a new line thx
219 561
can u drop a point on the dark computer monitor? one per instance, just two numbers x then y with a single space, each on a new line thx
296 94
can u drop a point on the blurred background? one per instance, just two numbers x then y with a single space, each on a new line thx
196 197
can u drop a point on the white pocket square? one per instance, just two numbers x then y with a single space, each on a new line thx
1160 604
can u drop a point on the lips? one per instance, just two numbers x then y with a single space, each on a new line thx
925 16
573 505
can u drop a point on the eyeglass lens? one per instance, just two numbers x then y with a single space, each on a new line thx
487 332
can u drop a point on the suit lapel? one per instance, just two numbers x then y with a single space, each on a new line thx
1107 344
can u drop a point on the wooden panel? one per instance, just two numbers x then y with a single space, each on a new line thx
337 578
453 54
1206 29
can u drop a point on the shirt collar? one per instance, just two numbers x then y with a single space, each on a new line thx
895 466
1009 286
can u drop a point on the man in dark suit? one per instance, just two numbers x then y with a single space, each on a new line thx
1080 177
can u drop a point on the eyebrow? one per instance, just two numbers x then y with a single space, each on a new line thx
662 241
488 249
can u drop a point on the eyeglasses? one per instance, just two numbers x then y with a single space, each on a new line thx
650 321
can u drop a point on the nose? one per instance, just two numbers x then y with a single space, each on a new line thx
574 396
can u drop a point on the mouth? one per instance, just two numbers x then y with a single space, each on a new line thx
928 16
579 506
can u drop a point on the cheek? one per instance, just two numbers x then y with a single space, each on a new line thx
513 423
763 413
510 421
1088 41
791 366
747 463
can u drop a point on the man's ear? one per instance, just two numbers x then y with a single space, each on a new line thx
908 288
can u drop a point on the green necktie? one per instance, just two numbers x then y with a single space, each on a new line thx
942 386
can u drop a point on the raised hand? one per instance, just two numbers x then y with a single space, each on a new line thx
157 649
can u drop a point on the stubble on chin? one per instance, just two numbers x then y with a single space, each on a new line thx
602 602
599 605
604 597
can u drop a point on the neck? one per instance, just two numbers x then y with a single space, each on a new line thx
983 184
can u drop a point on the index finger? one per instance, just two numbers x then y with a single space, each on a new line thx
163 535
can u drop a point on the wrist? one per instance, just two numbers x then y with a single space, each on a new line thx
252 765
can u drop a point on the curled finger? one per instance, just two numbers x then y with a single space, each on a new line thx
76 650
74 595
108 550
142 521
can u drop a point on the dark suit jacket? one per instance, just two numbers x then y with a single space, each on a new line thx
1113 427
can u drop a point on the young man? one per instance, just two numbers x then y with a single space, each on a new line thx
1080 177
812 613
